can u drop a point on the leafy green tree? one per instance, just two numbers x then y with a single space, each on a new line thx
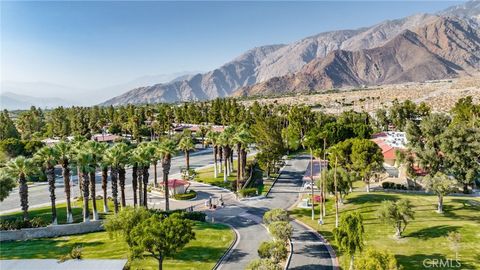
396 214
344 182
376 260
124 222
7 127
12 147
167 149
21 168
442 185
455 239
274 215
460 145
382 120
48 158
281 230
7 183
349 235
465 112
366 159
268 139
161 238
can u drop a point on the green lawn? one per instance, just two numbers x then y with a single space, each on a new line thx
202 253
46 212
424 238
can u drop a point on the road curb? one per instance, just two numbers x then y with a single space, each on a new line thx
230 248
289 258
331 251
275 181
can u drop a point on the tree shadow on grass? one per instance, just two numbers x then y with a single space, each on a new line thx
431 261
200 253
433 232
372 198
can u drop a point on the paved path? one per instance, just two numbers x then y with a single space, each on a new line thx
309 251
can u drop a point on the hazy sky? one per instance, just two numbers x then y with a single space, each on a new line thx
97 44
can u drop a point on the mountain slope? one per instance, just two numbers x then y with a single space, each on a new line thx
11 101
442 49
264 63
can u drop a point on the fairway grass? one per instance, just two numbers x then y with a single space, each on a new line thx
424 237
45 212
202 253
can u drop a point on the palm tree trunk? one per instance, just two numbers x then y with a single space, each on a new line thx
51 187
80 188
244 162
121 181
166 169
140 185
104 188
113 177
23 190
134 183
93 195
66 182
225 171
145 185
239 165
86 211
187 159
230 153
220 154
215 169
155 180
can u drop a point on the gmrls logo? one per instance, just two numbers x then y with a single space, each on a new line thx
437 263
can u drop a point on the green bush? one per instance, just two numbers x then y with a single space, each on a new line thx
248 192
195 216
275 215
388 185
263 264
17 224
276 251
281 230
186 196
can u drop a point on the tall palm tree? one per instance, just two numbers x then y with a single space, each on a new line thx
84 161
186 144
21 168
64 156
76 147
223 142
96 151
167 149
123 155
112 158
155 158
241 139
47 156
136 160
145 153
212 138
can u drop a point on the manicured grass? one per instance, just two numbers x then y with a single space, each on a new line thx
202 253
207 176
46 212
424 238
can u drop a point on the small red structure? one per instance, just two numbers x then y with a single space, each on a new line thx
176 186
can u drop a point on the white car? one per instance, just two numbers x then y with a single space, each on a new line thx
308 185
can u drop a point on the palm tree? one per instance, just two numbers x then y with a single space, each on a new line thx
186 144
136 160
155 158
225 140
112 158
84 162
47 157
167 149
96 150
64 156
241 139
21 168
122 154
212 138
145 153
76 146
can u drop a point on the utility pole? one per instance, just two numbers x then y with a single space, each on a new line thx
324 180
336 193
311 177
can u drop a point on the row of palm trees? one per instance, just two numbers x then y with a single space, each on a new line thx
88 157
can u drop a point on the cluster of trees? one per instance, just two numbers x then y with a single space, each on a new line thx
272 253
151 234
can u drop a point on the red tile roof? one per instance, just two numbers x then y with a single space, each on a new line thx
173 183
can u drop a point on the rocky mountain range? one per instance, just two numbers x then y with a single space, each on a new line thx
415 48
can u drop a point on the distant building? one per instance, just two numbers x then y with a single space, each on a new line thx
50 141
108 138
196 128
390 142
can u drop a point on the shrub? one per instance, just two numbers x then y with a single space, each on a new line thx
275 215
276 251
263 264
194 216
281 230
186 196
248 192
388 185
74 254
375 259
17 224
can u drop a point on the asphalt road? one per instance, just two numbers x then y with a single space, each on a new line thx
38 194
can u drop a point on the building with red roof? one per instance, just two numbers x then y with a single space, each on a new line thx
176 186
